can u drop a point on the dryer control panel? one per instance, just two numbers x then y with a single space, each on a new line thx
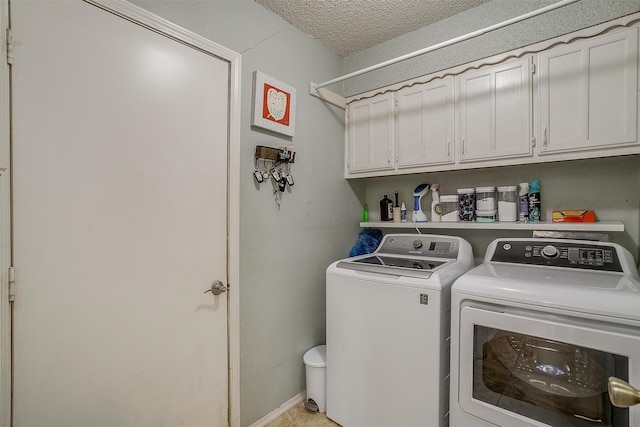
556 253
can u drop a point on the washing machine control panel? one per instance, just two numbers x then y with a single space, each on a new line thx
558 254
421 246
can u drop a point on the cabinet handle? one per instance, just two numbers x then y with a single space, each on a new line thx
389 156
544 139
464 143
449 148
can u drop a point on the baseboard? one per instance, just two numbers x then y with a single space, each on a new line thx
280 410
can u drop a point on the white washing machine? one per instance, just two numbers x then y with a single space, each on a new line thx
388 317
538 332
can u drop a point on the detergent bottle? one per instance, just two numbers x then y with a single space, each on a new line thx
535 205
523 202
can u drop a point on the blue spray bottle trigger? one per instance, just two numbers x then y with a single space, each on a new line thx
421 187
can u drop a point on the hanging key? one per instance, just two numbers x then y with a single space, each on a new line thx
258 176
290 180
282 184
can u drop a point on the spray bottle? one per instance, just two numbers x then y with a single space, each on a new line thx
436 211
523 202
534 201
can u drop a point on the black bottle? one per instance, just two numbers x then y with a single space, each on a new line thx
386 209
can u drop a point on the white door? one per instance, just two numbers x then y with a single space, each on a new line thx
120 217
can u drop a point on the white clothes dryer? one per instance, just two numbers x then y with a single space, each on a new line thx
388 332
537 331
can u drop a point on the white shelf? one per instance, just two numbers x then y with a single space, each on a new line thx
522 226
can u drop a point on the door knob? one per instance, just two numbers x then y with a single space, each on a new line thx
217 288
621 394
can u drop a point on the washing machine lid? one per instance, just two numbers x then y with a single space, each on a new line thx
608 287
414 255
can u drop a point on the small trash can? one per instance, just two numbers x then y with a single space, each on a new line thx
315 361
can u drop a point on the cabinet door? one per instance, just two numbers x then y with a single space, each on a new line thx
370 129
588 94
494 111
425 124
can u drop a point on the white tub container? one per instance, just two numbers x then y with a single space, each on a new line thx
486 198
508 203
449 207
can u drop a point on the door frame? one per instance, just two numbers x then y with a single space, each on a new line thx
159 25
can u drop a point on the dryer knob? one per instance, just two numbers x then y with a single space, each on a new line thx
549 251
417 244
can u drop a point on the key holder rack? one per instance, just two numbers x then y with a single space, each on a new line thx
274 164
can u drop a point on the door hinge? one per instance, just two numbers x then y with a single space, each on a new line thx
12 284
9 46
533 68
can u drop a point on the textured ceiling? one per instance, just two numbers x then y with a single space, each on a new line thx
349 26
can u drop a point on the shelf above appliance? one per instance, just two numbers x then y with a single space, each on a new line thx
521 226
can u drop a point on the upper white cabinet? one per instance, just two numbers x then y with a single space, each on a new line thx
370 134
424 120
579 101
494 106
588 94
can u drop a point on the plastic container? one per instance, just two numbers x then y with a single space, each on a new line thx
467 204
449 208
486 198
508 203
315 361
487 215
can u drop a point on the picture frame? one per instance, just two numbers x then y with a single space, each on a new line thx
274 104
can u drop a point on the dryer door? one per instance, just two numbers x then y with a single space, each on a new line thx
527 369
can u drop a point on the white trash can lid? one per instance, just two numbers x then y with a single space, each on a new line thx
316 357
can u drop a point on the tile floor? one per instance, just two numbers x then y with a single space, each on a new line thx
298 416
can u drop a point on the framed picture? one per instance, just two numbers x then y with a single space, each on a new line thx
274 104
